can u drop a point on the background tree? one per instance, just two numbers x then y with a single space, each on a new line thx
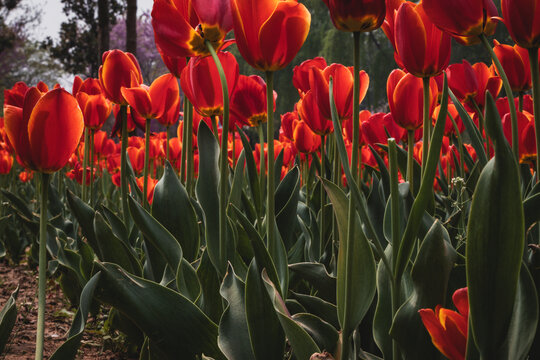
131 27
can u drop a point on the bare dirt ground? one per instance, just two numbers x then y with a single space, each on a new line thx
96 344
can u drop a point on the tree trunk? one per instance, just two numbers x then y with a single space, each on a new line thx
103 28
131 27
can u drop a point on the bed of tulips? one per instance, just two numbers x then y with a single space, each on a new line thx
341 234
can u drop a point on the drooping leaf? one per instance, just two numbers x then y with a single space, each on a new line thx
8 316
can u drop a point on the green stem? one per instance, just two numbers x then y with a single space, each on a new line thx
356 107
520 101
410 159
146 162
188 128
481 124
91 165
185 133
533 59
270 215
42 274
223 161
394 191
123 164
262 164
509 95
168 141
85 161
426 139
323 198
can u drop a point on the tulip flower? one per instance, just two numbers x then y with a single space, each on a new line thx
420 47
522 20
301 74
248 102
305 140
269 33
6 162
465 20
15 95
288 123
174 65
309 111
448 328
201 84
119 69
515 62
452 114
181 27
375 127
356 15
527 140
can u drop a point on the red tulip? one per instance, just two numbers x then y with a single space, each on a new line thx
305 140
449 126
288 123
95 108
181 27
465 20
420 47
301 74
309 111
174 65
90 86
46 130
515 62
269 33
248 102
522 19
527 139
15 95
405 98
150 189
374 129
119 69
201 83
6 162
447 328
356 15
152 102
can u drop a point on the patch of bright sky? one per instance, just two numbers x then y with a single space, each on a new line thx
52 16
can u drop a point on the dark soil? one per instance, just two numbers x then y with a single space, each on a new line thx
96 344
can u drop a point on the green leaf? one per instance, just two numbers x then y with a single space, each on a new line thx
68 350
265 332
356 273
172 322
382 320
302 344
85 216
8 316
531 208
207 193
430 274
112 249
187 281
286 200
253 177
210 284
495 240
235 197
172 208
319 307
325 335
318 277
233 339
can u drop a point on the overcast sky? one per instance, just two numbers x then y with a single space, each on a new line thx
53 16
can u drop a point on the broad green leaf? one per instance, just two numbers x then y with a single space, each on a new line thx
286 200
117 225
172 208
207 193
495 238
265 332
85 216
318 277
172 322
253 178
356 273
187 281
301 342
531 208
382 320
68 350
319 307
430 274
210 284
8 316
325 335
233 338
235 197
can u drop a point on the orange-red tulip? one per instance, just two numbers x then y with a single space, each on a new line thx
420 47
405 98
269 33
248 102
46 130
152 102
375 127
181 27
309 111
6 162
305 140
15 95
202 86
449 126
527 139
465 20
95 108
174 65
301 73
288 123
118 69
447 328
356 15
515 62
522 18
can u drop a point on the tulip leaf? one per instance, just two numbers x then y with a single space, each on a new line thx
210 284
319 307
172 208
85 216
117 225
495 240
286 203
265 332
207 193
531 208
382 320
172 322
356 272
187 282
68 350
8 317
325 335
233 339
430 274
253 178
114 250
235 197
302 344
318 277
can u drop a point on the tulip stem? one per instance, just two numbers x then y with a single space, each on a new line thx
223 161
481 124
270 215
146 163
42 268
168 141
356 108
85 161
123 164
262 164
535 76
509 95
410 159
188 130
91 149
426 138
323 198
